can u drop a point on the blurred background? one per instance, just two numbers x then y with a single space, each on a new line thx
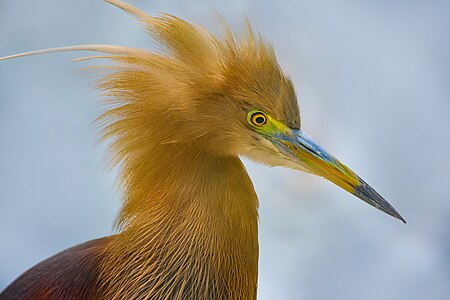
373 79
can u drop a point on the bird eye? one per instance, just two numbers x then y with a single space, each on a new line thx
257 118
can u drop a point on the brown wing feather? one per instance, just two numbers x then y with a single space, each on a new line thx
69 275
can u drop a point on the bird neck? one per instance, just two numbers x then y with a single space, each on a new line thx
189 224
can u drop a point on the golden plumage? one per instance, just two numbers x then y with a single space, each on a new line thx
193 235
177 121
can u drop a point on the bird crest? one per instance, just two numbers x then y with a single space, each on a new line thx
193 76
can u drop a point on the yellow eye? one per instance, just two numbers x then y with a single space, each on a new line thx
258 118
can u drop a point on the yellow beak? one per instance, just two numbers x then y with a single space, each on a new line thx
300 148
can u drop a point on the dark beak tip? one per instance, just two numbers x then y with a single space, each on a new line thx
398 216
390 210
366 193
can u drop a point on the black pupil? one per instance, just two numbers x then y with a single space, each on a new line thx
259 120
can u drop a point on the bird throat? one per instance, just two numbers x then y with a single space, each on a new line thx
189 229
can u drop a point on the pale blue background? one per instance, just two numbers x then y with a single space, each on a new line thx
373 79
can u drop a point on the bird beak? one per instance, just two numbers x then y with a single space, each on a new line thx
298 147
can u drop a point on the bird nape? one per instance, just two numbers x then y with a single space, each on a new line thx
176 122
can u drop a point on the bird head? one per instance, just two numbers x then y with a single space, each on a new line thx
259 116
222 95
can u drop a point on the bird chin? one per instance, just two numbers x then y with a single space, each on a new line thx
266 153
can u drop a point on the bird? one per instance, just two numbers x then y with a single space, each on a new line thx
177 121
